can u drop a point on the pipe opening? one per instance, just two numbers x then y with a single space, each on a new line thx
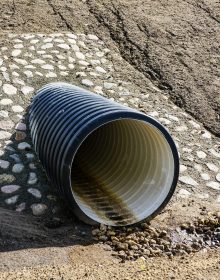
122 172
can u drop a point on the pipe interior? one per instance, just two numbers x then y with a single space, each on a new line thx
122 172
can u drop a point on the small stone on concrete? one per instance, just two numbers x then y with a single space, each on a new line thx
4 135
17 109
205 176
38 209
10 188
201 154
184 193
24 146
32 178
12 200
26 90
87 83
218 177
20 135
212 167
21 126
35 192
4 164
18 168
188 180
6 101
109 85
213 185
9 89
21 207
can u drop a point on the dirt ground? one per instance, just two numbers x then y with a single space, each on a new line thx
175 44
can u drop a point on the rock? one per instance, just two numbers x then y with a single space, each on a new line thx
87 83
29 156
18 168
47 46
21 61
15 157
184 193
38 61
51 75
38 209
100 69
47 67
10 188
64 46
16 52
109 85
24 146
20 135
6 101
29 74
183 168
206 134
181 128
4 164
80 55
95 232
188 180
4 135
21 207
205 176
213 185
92 37
26 90
212 167
6 125
21 126
32 178
218 177
12 200
214 153
3 114
17 109
201 154
35 192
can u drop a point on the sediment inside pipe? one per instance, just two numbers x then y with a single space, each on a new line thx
122 172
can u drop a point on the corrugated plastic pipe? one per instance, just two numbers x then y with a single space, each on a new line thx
112 164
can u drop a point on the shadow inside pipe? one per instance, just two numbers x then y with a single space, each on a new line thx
19 228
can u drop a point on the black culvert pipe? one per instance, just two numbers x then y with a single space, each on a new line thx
112 164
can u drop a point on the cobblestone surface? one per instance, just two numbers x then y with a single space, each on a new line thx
29 61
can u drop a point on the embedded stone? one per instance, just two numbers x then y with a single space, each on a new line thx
47 67
64 46
17 109
35 192
47 46
27 89
10 188
201 154
109 85
28 73
21 126
214 153
18 168
206 134
24 146
51 75
9 89
20 135
188 180
32 178
218 177
38 61
100 69
21 207
38 209
12 200
3 114
213 185
15 157
21 61
212 167
92 37
205 176
16 52
80 55
184 193
4 135
6 178
87 83
6 125
4 164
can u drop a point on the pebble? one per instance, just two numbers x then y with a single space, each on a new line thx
32 179
15 157
3 114
212 167
6 178
188 180
18 168
181 128
92 37
24 146
26 90
205 176
201 154
47 46
4 135
213 185
206 134
38 209
100 69
21 207
38 61
64 46
21 126
218 177
36 193
17 109
16 52
4 164
29 156
51 75
47 67
9 89
21 61
12 200
109 85
6 125
10 188
214 153
184 193
87 83
80 55
29 74
6 101
20 135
